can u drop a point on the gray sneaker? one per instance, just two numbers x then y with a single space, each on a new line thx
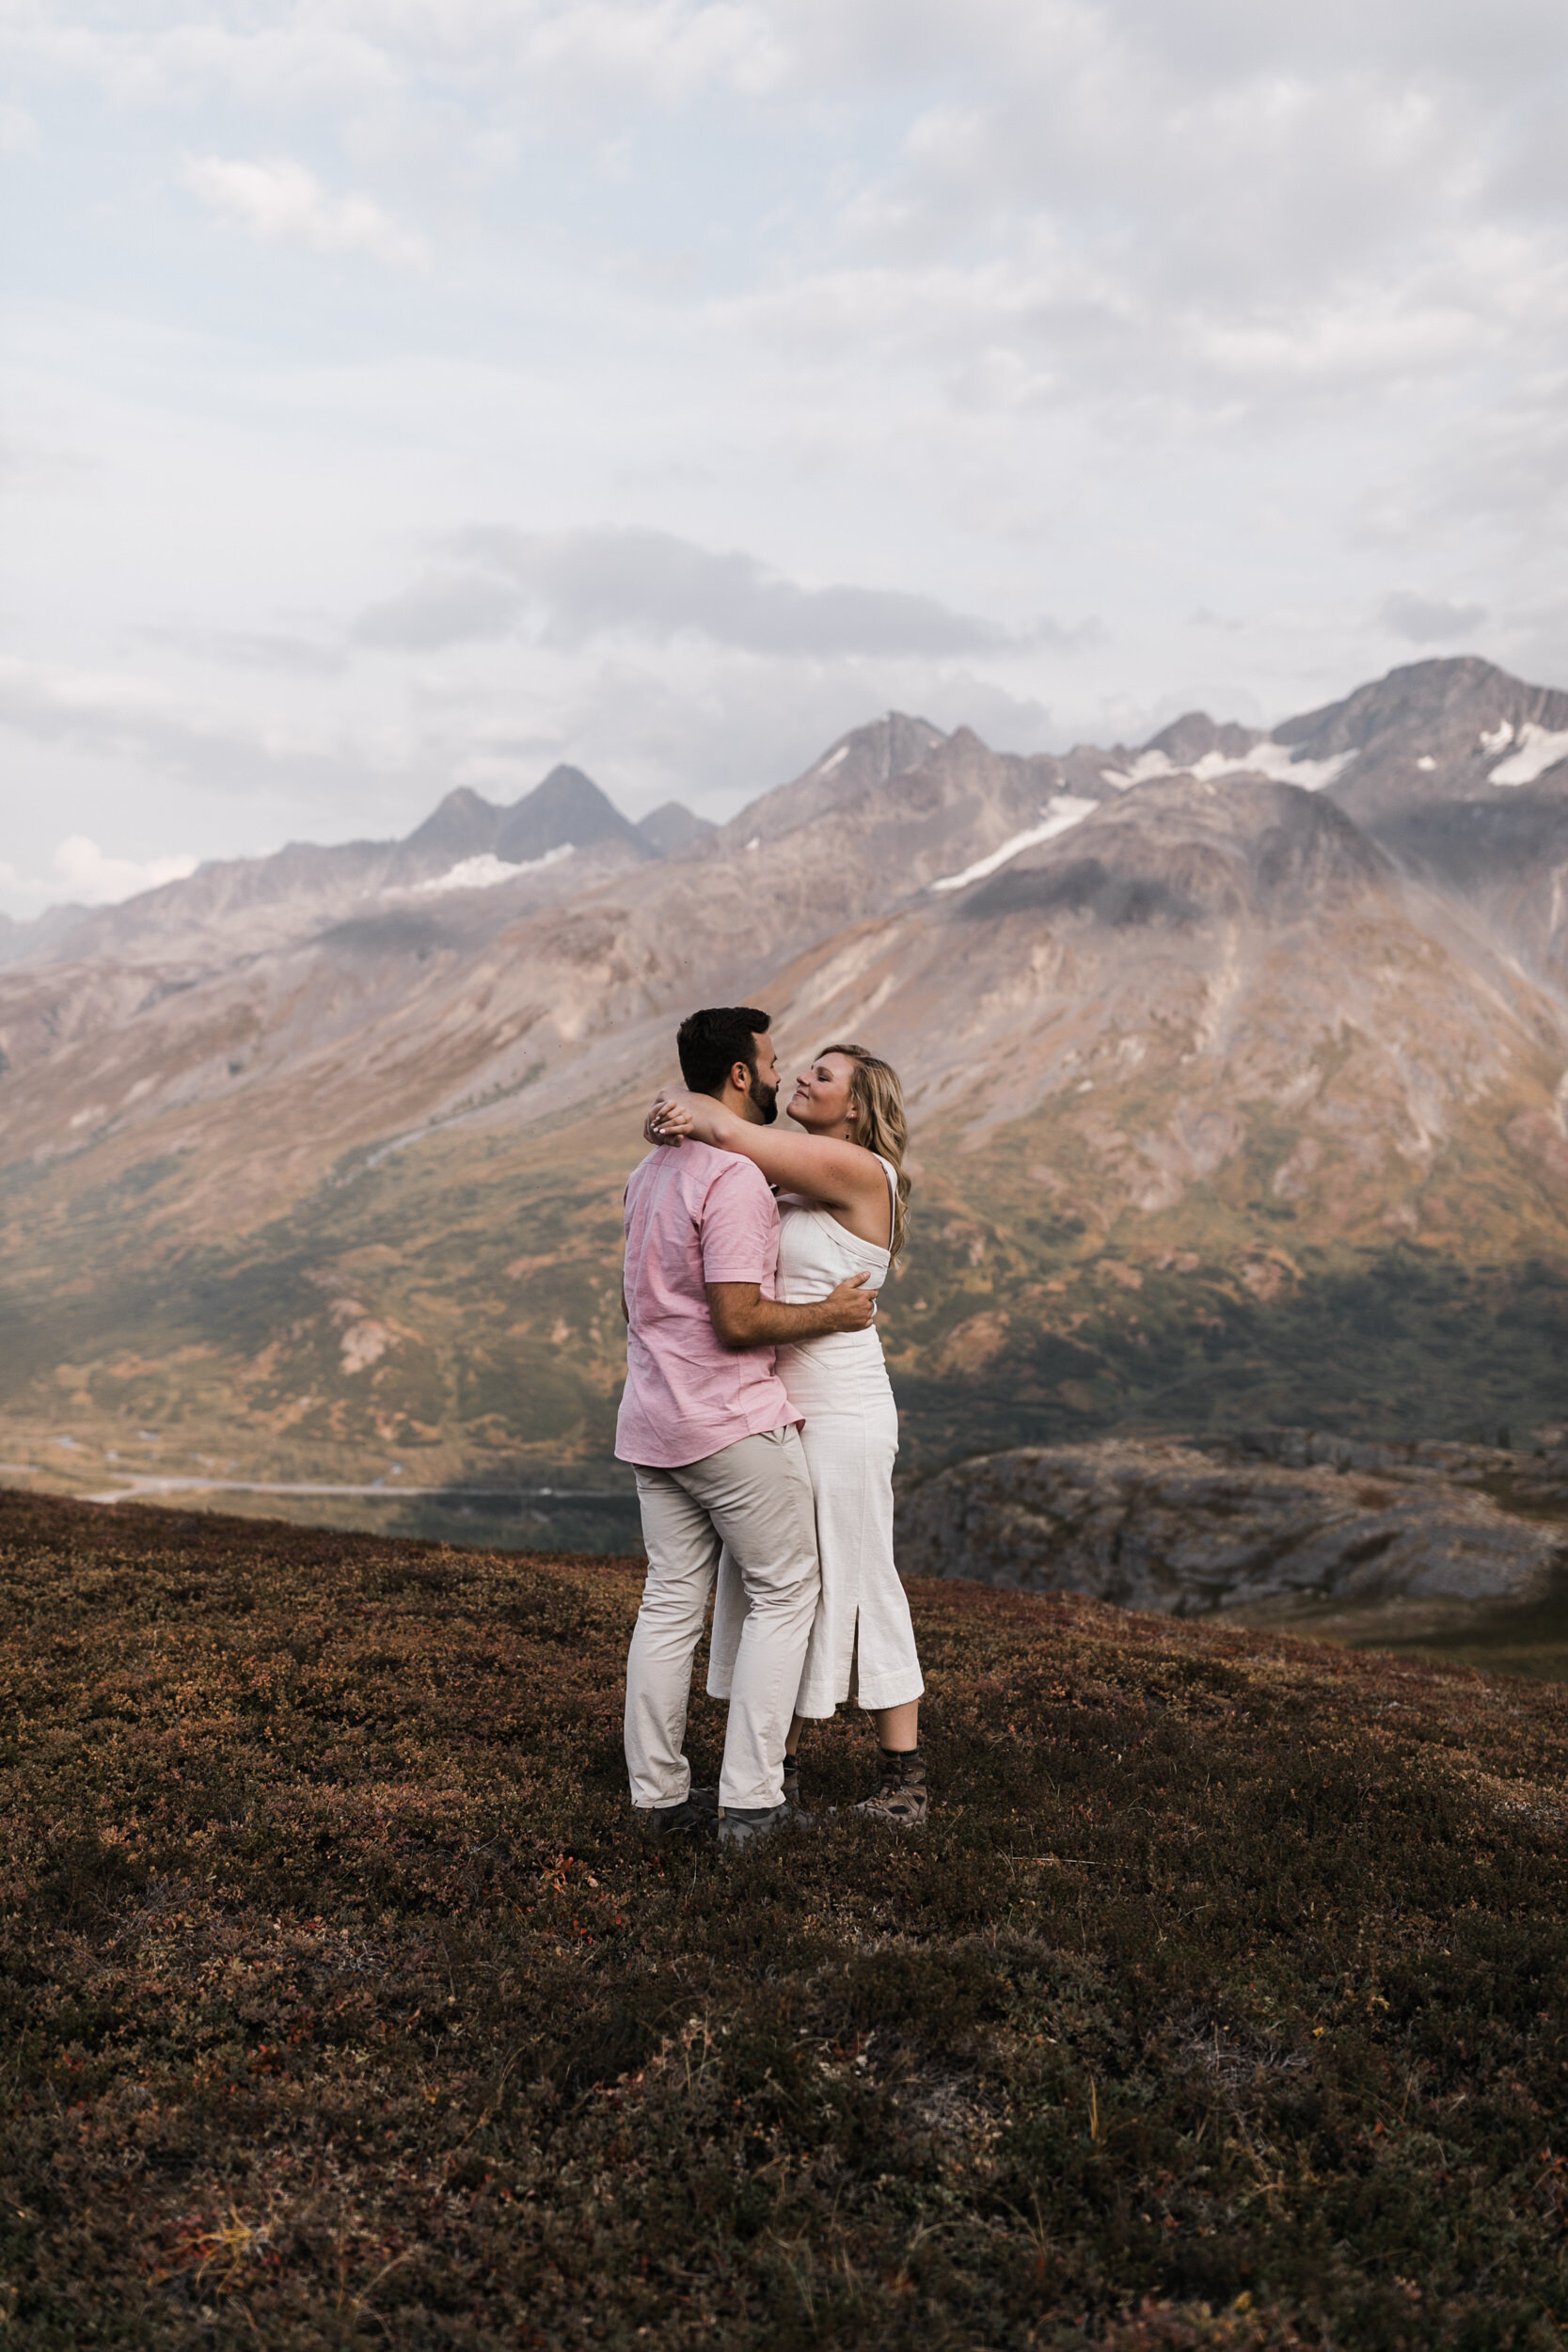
739 1825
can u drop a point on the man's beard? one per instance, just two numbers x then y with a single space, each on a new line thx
766 1099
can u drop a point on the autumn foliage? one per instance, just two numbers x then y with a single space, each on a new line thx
1222 2003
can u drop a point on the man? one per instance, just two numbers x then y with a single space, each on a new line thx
716 1443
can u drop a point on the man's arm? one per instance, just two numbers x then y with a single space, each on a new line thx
743 1318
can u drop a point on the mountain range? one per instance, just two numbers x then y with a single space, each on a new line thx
1236 1063
467 843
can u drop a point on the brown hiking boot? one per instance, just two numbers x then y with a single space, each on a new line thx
792 1780
900 1796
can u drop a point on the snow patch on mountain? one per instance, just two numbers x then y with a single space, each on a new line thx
1538 749
1273 760
484 873
1066 809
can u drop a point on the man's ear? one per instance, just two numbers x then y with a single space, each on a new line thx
740 1076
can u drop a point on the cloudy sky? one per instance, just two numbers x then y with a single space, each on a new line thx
400 393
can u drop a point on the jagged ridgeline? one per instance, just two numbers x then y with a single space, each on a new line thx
1236 1064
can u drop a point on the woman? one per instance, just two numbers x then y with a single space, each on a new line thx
843 1195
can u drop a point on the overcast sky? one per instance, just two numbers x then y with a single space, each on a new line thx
400 393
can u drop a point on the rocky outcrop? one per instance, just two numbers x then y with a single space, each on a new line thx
1165 1525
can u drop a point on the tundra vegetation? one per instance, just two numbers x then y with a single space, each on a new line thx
493 1284
1221 2004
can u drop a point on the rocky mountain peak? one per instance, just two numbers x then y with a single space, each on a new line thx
1456 729
567 806
461 825
1459 691
567 810
894 745
899 742
672 826
1194 735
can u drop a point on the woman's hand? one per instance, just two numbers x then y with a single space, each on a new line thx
676 1115
664 1122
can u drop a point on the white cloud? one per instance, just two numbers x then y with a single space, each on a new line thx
254 649
91 878
454 606
143 63
1430 620
1502 467
82 874
523 56
19 132
578 586
796 355
282 203
669 50
150 726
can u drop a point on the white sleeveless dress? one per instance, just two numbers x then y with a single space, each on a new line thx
839 1384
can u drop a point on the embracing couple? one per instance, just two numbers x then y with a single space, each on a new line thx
758 1417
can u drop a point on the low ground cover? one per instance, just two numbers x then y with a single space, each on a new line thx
1221 2002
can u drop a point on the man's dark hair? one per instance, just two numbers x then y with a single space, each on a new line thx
710 1043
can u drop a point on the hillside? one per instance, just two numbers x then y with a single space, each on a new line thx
1237 1067
1217 2006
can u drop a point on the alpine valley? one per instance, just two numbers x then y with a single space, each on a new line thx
1236 1065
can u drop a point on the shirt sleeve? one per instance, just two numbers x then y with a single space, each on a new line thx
741 1226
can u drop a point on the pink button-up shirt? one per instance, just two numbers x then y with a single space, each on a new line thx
694 1216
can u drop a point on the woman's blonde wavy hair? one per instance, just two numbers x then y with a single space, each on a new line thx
877 1120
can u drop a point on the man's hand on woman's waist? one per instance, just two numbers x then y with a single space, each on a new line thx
743 1318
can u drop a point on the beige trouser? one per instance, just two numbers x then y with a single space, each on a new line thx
752 1499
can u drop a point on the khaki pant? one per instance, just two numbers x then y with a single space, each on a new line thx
752 1499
